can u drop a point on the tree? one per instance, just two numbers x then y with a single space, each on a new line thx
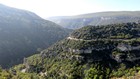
93 73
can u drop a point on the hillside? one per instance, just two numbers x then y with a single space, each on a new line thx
23 33
76 57
100 18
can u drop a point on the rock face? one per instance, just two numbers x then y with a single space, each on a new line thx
119 50
80 51
126 47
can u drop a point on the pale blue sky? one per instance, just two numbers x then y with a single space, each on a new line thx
48 8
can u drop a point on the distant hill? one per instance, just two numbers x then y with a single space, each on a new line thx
23 33
114 54
100 18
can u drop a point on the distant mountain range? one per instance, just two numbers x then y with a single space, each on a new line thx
100 18
23 33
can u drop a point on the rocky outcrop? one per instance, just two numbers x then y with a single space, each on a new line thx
126 47
80 51
118 57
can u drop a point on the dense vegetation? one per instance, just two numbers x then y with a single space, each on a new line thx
23 34
122 31
101 18
85 59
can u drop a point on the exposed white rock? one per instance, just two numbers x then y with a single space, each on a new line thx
71 38
43 74
23 70
126 47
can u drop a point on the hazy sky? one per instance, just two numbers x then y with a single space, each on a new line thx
47 8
